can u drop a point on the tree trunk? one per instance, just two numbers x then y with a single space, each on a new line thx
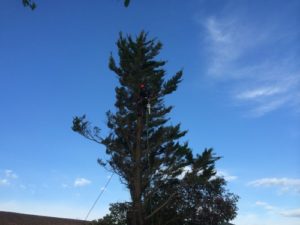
137 195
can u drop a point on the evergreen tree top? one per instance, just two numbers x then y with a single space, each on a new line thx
137 65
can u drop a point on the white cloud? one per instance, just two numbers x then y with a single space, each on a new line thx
284 184
225 46
268 106
260 77
226 175
218 32
260 92
264 219
7 177
265 205
10 174
269 95
279 211
276 182
80 182
291 213
4 182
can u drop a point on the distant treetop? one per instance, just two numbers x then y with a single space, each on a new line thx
32 4
29 3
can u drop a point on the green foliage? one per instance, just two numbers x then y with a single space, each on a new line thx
32 4
199 200
29 3
126 3
117 216
147 152
201 197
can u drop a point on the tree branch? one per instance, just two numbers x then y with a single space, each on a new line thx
161 206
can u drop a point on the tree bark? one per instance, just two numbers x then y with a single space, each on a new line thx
137 195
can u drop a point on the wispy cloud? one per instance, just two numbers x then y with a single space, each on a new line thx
10 174
4 182
226 175
268 106
226 45
7 177
252 218
259 63
267 96
259 92
265 205
80 182
284 184
279 211
291 213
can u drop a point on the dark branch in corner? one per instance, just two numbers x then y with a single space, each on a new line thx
126 3
29 3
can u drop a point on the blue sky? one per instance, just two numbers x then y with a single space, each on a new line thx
240 95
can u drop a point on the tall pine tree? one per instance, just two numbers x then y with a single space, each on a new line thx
144 149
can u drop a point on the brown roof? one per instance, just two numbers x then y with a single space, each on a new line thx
10 218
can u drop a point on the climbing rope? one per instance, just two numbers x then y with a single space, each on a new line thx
147 147
99 196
